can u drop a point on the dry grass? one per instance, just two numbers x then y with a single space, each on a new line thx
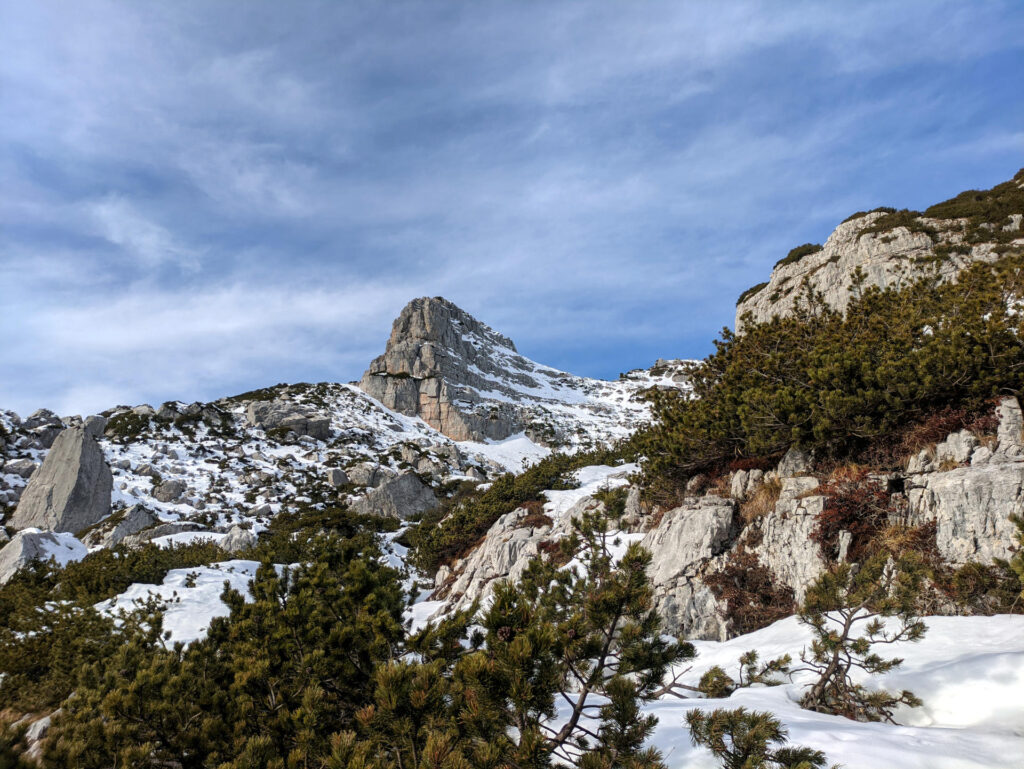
534 521
762 501
851 472
989 441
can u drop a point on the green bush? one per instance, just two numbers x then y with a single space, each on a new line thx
49 628
750 292
449 531
837 384
911 220
798 253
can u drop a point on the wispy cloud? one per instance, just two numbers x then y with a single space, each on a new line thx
196 201
122 225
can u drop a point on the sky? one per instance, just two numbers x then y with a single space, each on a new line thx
202 198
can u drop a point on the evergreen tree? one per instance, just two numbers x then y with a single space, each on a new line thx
266 688
566 658
845 610
744 739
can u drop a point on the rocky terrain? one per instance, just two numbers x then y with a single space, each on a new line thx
451 406
967 486
222 470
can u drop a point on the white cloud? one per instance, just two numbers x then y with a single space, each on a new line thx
122 224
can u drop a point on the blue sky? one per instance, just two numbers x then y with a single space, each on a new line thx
201 198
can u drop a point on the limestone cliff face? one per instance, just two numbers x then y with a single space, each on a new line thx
439 359
893 256
468 381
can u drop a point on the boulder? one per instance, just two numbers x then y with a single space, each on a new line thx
161 530
71 489
238 539
114 529
337 477
400 497
169 491
370 474
796 462
95 425
295 417
42 428
21 467
34 545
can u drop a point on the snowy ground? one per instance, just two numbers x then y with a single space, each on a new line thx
969 671
191 597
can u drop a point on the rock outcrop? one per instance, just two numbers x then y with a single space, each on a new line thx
970 504
894 256
682 546
238 539
287 416
113 530
785 547
468 381
71 489
399 497
511 543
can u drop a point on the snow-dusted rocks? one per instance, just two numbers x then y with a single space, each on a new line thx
71 490
399 497
468 381
337 477
119 525
514 539
370 474
23 468
41 428
35 545
169 491
288 416
238 540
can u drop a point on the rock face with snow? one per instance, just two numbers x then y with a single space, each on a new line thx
34 545
71 490
970 504
285 415
468 381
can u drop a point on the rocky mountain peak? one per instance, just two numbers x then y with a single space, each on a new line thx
437 322
468 381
